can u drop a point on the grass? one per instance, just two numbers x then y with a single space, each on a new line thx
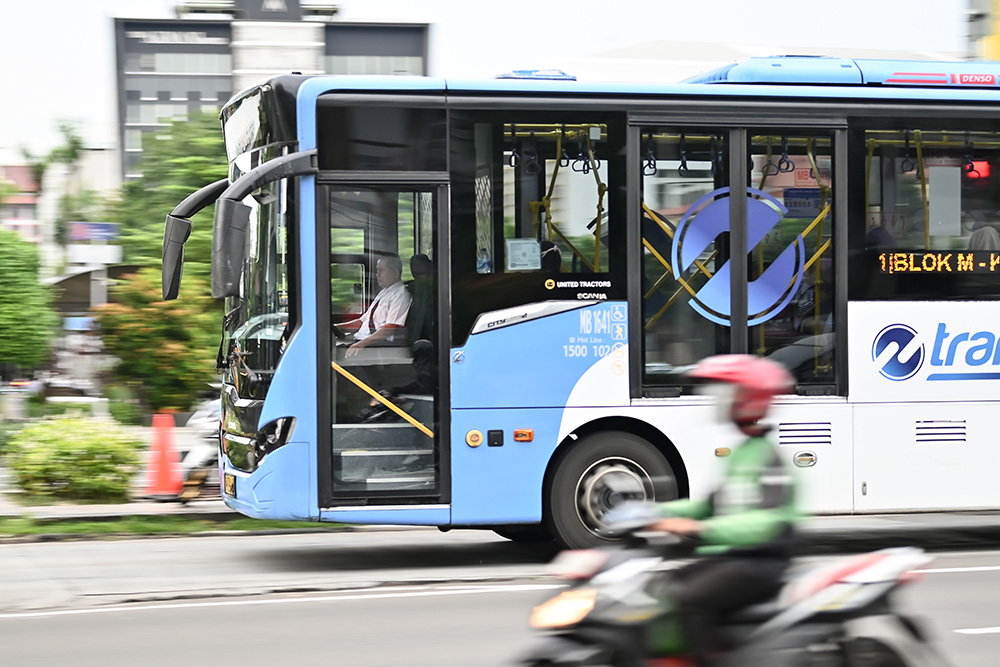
145 525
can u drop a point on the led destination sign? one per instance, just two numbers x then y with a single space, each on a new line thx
940 261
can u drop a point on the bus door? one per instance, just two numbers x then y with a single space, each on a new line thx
685 252
689 297
384 351
696 301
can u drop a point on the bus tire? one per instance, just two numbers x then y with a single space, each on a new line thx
598 472
526 534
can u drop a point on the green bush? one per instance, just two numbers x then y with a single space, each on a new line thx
73 457
38 407
7 430
123 405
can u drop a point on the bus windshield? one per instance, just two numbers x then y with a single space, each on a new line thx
255 329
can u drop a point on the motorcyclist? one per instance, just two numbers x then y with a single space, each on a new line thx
745 527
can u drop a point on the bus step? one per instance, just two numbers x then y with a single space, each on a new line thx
384 452
408 480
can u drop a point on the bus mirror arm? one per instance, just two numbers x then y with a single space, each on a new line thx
232 217
178 229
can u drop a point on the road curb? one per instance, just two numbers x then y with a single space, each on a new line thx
935 539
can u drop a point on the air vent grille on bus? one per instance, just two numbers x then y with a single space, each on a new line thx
805 434
941 430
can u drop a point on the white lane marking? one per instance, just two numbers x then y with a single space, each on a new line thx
349 595
978 631
975 568
950 570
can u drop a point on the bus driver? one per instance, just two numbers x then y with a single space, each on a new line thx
387 313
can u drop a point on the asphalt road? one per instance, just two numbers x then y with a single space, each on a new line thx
957 603
47 575
431 624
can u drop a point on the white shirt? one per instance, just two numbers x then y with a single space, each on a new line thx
390 306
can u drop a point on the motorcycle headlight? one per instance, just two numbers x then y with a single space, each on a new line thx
563 610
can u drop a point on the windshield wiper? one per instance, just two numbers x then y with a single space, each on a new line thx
222 358
241 363
227 319
255 378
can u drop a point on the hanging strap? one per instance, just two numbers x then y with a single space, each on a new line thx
601 190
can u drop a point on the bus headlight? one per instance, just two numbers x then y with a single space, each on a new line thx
273 435
565 609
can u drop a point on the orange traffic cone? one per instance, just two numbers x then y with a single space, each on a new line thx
163 478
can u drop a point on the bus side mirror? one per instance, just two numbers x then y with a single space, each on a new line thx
228 246
175 233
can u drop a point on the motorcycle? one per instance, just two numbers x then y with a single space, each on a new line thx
200 458
616 610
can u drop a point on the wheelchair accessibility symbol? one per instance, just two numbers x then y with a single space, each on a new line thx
702 224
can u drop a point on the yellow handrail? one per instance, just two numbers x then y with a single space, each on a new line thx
670 232
572 247
382 399
546 204
601 190
547 199
819 253
824 191
670 301
664 262
822 214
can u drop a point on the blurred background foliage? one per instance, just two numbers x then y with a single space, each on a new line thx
27 320
166 349
182 158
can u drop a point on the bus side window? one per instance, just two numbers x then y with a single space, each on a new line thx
930 194
534 196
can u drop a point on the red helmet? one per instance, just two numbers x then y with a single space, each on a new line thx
756 382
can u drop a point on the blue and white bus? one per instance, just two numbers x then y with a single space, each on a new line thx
574 248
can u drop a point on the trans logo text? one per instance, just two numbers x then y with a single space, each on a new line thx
899 352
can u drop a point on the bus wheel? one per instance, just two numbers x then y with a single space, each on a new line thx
527 534
600 472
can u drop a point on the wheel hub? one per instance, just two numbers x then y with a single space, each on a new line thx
607 484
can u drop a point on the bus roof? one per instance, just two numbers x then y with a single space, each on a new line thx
820 70
816 77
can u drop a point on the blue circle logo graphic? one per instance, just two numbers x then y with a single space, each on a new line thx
896 368
696 234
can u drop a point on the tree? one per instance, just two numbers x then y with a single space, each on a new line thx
184 157
27 321
75 204
168 347
6 189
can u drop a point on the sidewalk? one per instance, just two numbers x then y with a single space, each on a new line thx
821 534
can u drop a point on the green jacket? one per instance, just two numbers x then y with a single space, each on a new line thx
752 510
